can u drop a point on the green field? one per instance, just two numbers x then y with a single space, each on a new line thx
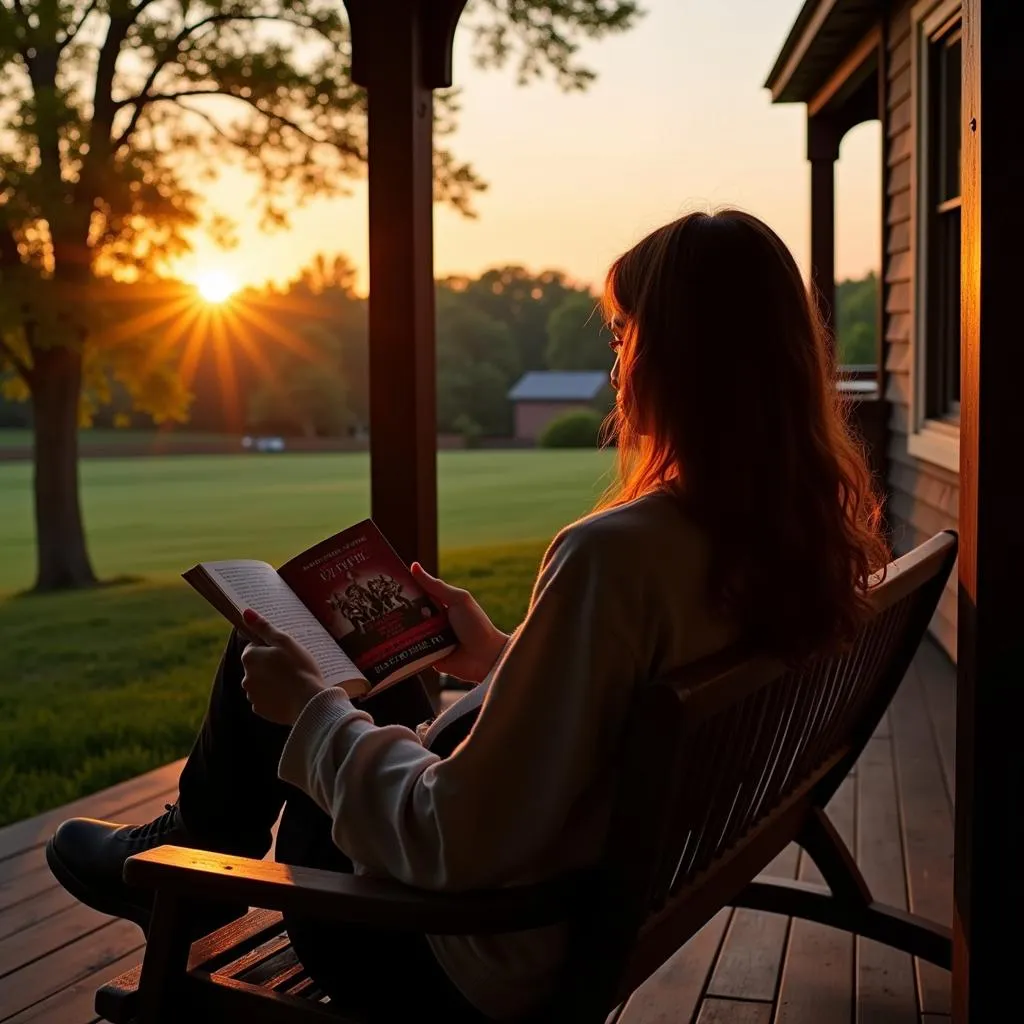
101 685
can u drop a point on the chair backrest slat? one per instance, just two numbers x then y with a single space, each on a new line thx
720 760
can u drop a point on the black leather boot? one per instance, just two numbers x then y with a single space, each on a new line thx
87 857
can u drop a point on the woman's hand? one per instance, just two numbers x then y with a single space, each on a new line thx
281 677
480 641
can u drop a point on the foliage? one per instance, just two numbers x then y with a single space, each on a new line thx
316 382
576 336
521 300
468 429
857 320
477 364
578 429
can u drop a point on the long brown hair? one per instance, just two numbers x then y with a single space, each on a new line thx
727 399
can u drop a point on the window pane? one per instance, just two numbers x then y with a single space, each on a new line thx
951 53
942 163
951 332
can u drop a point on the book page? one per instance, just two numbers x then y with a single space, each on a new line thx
256 585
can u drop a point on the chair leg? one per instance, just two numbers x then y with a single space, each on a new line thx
163 966
889 925
833 859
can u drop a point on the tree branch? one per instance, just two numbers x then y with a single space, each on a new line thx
20 366
9 255
270 115
210 121
143 97
74 29
22 45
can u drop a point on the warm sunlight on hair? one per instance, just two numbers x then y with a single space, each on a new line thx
215 286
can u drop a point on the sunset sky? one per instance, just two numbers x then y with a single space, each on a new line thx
678 119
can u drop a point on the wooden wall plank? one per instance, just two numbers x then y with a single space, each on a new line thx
900 299
899 178
899 266
899 27
898 238
898 328
899 86
899 117
898 208
897 358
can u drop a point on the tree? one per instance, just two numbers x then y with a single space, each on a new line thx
317 383
857 320
111 113
577 338
521 300
477 363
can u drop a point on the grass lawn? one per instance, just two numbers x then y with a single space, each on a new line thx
98 686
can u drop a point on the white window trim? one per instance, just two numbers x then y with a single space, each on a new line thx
932 440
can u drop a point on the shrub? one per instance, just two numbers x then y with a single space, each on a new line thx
579 429
468 429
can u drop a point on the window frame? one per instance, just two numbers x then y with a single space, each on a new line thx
933 439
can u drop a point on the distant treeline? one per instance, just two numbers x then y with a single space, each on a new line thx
294 360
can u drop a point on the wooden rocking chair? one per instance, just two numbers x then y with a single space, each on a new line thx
722 766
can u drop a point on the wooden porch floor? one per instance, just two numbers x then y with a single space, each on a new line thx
895 811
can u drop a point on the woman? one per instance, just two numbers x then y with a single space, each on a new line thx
743 512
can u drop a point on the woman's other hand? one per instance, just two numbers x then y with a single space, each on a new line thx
480 641
281 677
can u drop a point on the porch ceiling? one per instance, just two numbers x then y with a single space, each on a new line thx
823 34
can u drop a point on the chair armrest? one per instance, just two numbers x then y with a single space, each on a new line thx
377 903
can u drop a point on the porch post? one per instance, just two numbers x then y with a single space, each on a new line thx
401 51
823 151
989 851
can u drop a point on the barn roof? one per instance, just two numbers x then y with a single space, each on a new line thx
559 386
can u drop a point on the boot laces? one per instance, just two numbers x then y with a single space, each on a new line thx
154 831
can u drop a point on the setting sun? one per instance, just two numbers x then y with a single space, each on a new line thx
215 286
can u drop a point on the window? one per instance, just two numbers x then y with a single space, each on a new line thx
936 393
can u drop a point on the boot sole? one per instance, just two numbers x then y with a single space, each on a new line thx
87 894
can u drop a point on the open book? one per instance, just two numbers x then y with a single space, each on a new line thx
349 600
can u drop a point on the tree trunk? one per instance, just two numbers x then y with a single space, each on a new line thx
62 558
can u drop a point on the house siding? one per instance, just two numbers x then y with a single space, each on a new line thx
923 497
532 417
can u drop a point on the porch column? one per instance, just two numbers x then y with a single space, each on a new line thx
401 52
823 151
989 851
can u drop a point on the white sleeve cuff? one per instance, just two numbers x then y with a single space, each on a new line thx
326 712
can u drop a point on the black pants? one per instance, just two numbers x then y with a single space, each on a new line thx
230 797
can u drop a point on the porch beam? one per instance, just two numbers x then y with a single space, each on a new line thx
989 851
401 51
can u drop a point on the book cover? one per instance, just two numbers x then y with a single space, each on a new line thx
364 595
